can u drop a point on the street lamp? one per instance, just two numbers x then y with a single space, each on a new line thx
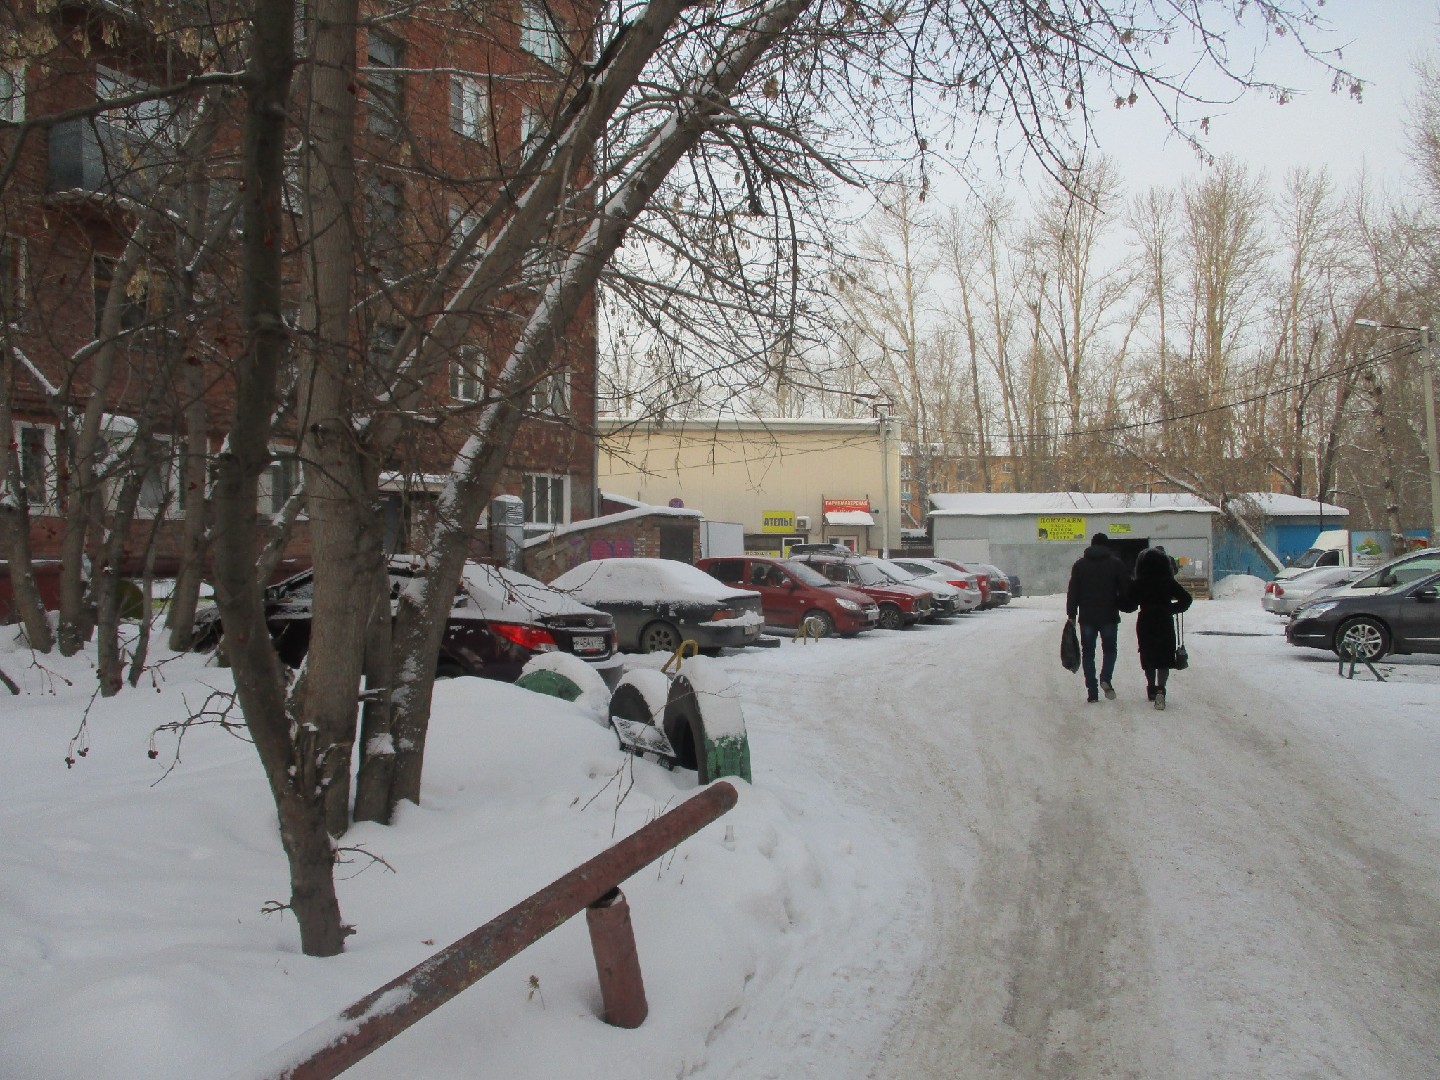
1428 384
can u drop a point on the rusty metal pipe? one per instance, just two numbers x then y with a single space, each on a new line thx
331 1047
617 964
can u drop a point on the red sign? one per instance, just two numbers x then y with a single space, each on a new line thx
845 506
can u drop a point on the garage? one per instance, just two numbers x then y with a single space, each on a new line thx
1037 536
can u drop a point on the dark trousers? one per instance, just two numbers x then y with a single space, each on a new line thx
1106 632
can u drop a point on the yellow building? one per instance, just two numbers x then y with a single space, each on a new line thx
785 481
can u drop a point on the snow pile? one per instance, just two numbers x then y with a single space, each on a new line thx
1239 587
645 581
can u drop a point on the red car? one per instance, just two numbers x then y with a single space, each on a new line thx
981 575
901 605
791 592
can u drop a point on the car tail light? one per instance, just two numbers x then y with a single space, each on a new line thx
722 614
534 638
1279 590
1269 587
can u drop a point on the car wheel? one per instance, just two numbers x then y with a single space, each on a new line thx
1364 638
891 617
821 624
659 637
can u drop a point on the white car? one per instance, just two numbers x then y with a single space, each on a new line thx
968 585
1284 595
946 600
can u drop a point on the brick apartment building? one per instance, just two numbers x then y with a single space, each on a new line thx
119 254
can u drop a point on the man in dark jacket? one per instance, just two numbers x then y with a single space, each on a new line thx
1099 590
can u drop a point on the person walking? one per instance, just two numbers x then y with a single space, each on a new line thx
1160 598
1098 592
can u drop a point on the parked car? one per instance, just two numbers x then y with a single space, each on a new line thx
791 592
1416 564
1014 585
820 549
966 585
500 619
945 599
1283 596
901 605
999 583
658 603
980 576
1403 619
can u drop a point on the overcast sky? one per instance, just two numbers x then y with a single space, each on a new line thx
1380 40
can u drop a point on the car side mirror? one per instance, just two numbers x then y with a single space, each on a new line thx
1428 594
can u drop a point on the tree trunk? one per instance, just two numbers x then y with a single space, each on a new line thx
15 525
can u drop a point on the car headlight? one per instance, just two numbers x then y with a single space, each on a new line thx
850 605
1320 607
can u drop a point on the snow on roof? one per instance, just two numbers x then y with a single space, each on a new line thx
1272 504
641 510
1019 503
645 581
848 517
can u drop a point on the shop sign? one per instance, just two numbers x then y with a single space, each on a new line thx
1060 527
777 521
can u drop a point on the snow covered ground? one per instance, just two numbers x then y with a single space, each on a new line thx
948 865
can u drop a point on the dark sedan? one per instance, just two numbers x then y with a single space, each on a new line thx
659 603
500 619
1403 619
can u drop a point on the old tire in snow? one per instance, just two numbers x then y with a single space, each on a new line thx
704 723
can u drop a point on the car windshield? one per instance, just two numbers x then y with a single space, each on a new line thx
806 575
894 571
870 574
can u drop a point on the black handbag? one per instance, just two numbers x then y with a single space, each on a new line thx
1182 655
1069 647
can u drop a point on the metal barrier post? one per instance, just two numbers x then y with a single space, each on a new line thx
612 939
331 1047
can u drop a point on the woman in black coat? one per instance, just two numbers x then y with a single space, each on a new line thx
1160 598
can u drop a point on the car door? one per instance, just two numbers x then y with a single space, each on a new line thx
1418 616
779 595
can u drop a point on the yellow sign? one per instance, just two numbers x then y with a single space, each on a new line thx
1118 527
1062 527
777 521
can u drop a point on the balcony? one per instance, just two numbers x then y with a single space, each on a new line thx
101 158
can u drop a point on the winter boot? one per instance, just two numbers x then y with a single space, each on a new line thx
1109 691
1160 700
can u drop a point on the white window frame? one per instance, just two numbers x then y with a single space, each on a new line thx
12 102
49 496
146 121
540 33
461 222
384 57
546 487
550 396
466 382
470 107
272 499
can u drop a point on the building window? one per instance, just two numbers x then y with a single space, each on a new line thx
279 481
540 34
135 308
161 491
35 444
470 107
12 93
384 203
462 224
532 120
466 382
551 395
387 85
547 499
142 121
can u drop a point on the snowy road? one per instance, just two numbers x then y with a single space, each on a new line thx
1241 886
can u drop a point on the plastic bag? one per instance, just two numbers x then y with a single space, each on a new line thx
1069 647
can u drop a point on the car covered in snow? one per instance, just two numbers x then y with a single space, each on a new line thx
499 620
792 593
1403 619
659 603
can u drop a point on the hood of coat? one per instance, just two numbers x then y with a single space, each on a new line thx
1099 551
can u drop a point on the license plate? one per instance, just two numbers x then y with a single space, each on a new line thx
752 631
589 643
